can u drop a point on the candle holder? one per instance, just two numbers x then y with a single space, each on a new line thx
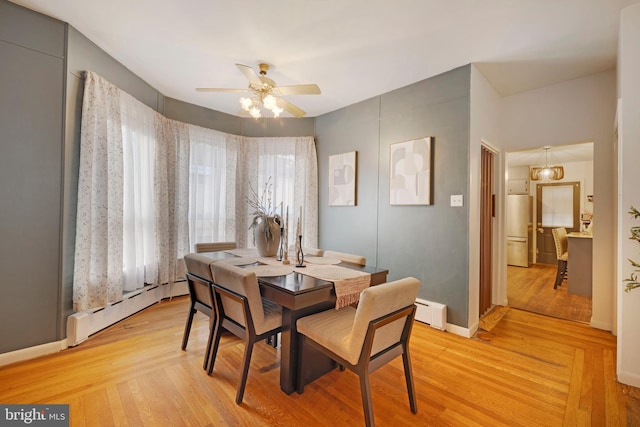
280 255
299 253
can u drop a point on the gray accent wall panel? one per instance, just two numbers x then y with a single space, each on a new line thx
431 242
427 242
280 127
351 229
71 154
86 55
31 84
26 28
200 116
228 123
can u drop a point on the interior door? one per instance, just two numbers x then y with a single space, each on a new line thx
487 213
557 205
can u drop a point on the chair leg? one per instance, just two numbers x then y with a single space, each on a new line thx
248 349
408 375
562 265
207 352
301 357
273 340
365 391
187 327
214 349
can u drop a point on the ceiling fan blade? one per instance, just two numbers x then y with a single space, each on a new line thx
250 74
290 108
298 90
219 89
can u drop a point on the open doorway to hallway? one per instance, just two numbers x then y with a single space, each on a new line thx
531 289
530 277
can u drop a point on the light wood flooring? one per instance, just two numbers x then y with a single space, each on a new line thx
530 370
531 289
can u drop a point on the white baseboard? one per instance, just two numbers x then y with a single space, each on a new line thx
32 352
463 332
110 315
435 315
605 326
629 379
431 313
86 323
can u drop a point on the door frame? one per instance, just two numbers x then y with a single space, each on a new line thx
546 231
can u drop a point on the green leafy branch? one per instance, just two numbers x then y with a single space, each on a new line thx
632 281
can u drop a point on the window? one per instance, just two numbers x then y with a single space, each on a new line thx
557 206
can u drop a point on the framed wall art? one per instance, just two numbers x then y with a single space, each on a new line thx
342 179
411 172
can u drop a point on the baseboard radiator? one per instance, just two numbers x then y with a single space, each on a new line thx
431 313
83 324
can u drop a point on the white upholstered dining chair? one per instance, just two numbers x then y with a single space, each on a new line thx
562 254
215 246
364 339
345 257
307 251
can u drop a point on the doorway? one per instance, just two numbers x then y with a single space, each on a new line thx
531 288
487 213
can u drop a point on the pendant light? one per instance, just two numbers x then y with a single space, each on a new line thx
547 173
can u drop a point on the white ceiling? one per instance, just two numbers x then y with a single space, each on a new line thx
557 155
353 49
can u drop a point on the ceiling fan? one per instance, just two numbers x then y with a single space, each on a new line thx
265 92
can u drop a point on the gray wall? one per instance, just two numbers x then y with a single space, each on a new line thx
32 49
427 242
204 117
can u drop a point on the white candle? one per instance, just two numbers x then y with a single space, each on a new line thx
300 223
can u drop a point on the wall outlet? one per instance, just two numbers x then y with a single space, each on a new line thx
456 200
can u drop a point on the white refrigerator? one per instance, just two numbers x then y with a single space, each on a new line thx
519 230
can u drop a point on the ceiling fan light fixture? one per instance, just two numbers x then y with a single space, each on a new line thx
246 103
270 102
276 111
265 93
255 112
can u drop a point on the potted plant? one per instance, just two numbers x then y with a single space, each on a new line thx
632 281
266 223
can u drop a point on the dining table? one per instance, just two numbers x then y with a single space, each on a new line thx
299 295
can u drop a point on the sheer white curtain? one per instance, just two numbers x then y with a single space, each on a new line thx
132 224
99 223
140 261
291 165
212 184
172 198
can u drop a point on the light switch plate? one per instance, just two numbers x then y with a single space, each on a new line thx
456 200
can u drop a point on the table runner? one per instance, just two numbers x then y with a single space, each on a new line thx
348 283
